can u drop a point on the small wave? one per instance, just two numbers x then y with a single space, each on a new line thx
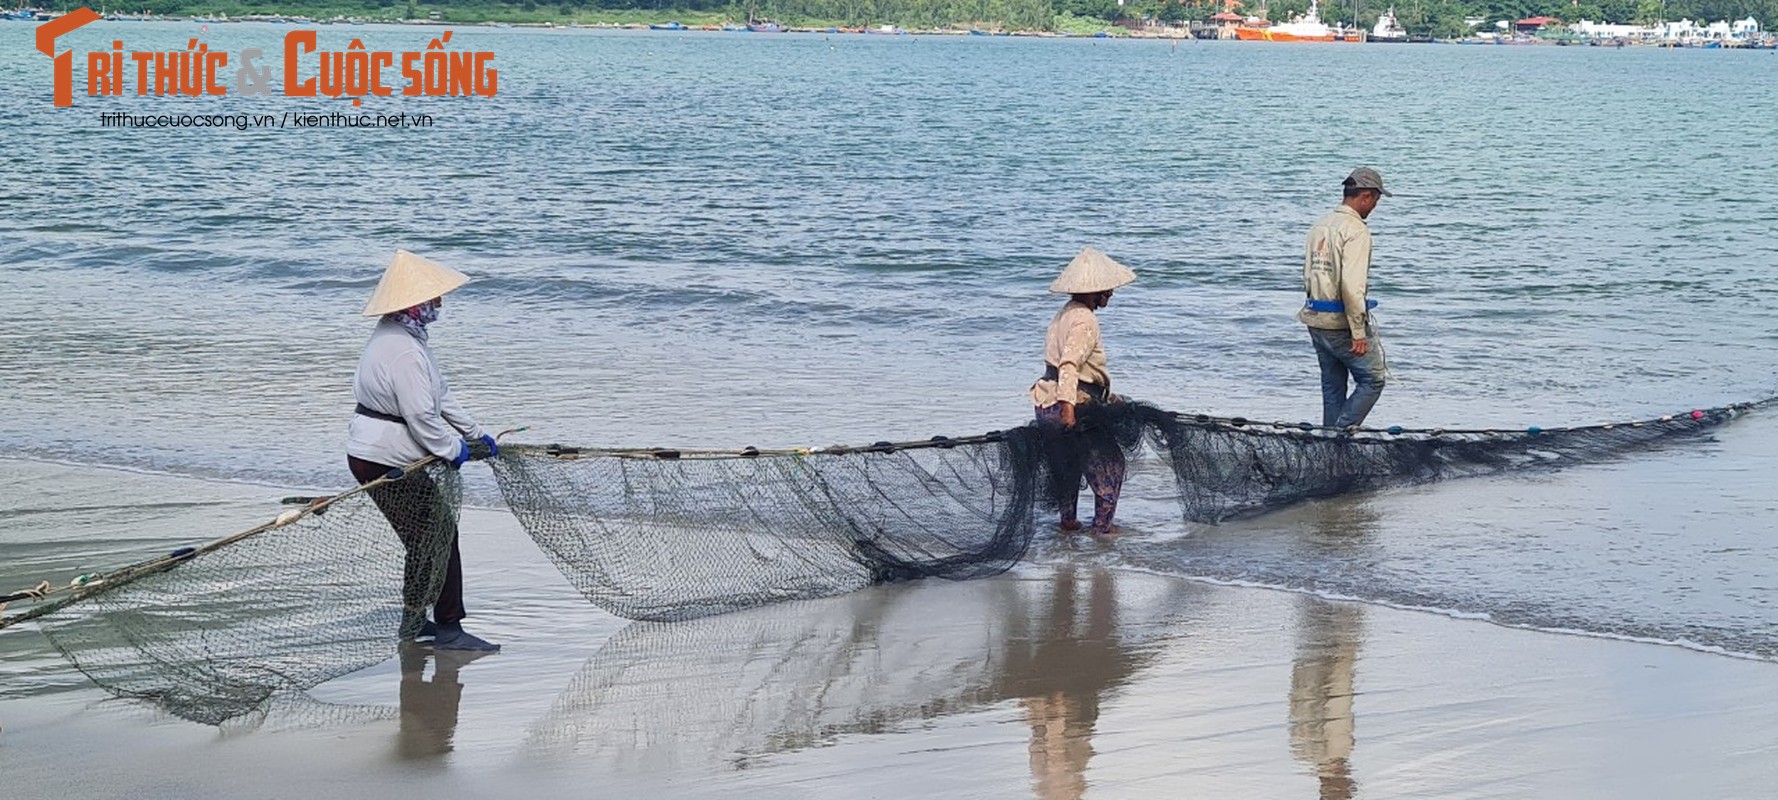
166 506
325 284
67 227
475 496
258 480
624 291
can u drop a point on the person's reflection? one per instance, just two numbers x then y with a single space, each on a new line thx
1062 674
1321 677
730 690
429 708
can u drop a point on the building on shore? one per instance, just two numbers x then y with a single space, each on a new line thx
1684 33
1223 24
1533 25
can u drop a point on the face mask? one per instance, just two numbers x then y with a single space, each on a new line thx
416 319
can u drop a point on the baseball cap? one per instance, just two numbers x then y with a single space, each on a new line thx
1366 178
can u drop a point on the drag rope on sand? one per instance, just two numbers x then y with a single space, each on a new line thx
210 632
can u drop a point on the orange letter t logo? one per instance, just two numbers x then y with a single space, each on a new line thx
46 43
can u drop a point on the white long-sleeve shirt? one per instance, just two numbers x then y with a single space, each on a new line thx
398 376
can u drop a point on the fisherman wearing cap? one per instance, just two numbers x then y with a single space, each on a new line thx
406 413
1074 375
1336 274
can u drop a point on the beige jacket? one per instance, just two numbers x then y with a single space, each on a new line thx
1337 266
1073 347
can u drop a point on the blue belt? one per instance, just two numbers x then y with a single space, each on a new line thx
1335 306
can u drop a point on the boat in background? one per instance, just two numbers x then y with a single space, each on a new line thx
1306 28
1388 28
765 27
666 26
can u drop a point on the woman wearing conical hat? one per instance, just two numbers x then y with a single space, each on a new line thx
1075 376
406 413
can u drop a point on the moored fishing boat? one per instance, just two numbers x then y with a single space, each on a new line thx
1306 28
1388 28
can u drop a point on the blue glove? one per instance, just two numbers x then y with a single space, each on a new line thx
493 448
462 455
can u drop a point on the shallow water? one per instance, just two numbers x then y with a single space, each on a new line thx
1045 683
725 240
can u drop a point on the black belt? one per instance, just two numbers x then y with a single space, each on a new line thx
367 411
1093 390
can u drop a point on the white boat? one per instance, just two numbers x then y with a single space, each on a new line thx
1388 28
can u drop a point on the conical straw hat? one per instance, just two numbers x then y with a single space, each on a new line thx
409 281
1092 271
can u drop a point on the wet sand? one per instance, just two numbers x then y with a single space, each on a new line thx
1061 680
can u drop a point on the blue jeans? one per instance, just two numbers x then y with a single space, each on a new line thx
1334 349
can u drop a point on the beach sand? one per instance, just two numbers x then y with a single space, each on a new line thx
1059 680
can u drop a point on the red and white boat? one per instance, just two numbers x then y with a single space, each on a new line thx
1306 28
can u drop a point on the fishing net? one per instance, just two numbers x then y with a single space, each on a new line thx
666 535
669 535
212 633
1231 467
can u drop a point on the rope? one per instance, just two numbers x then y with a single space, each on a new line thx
666 454
1253 426
1234 424
35 593
89 584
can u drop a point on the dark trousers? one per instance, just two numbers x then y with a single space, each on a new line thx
408 505
1104 471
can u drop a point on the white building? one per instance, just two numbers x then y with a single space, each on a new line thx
1603 30
1683 29
1686 30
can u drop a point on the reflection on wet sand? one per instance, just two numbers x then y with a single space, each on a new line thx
429 707
1322 674
1321 691
1062 671
725 691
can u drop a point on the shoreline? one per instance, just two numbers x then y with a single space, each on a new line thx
707 22
1078 29
259 502
1053 678
35 468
